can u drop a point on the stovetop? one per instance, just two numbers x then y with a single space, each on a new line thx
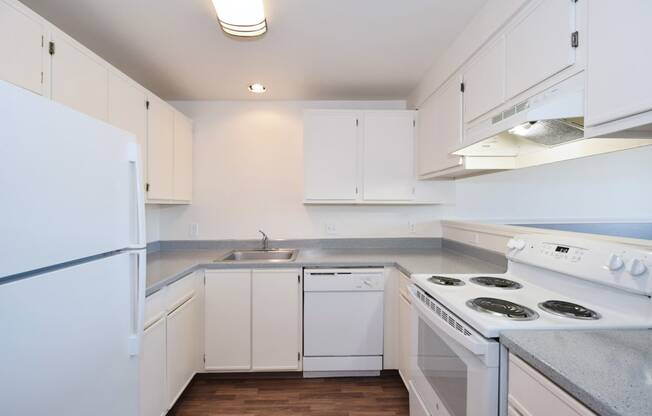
552 282
529 304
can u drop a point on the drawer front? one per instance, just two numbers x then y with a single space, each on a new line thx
532 394
154 307
180 291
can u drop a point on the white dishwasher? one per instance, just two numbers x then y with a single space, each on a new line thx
343 321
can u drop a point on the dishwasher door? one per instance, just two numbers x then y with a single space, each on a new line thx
343 319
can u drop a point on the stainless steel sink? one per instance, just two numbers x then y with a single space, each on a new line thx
275 255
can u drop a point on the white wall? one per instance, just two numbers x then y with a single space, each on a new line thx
248 175
153 222
609 187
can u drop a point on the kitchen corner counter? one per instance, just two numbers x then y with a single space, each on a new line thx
165 267
610 371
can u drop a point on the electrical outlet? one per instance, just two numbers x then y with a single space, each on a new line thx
193 230
412 226
331 229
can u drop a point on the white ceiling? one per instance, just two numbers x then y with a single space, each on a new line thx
314 49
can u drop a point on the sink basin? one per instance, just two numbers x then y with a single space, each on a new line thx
277 255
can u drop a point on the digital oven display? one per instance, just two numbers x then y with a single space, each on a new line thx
561 249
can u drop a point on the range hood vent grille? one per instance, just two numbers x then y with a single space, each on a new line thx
552 132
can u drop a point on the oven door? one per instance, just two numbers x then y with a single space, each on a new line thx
454 369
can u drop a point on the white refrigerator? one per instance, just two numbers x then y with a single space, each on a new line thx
72 261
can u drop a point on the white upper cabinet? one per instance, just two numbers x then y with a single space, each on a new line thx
160 150
276 320
388 156
484 81
618 67
182 157
330 155
79 80
127 110
22 45
46 61
539 45
363 157
440 129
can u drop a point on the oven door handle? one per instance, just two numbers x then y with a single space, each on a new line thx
474 342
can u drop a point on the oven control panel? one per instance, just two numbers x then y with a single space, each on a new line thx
624 266
563 253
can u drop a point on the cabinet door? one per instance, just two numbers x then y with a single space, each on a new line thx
227 320
540 45
127 111
21 45
484 81
79 80
182 157
440 129
618 69
404 311
530 393
276 320
153 389
388 156
330 146
183 337
160 150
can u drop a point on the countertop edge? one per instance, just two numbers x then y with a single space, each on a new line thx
290 265
583 396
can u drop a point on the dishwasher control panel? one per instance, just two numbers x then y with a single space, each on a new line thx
344 280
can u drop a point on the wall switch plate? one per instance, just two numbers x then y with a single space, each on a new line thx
331 229
193 230
412 226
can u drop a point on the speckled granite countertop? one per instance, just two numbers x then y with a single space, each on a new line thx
164 267
610 371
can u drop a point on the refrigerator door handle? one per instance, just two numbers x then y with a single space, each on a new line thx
139 225
138 267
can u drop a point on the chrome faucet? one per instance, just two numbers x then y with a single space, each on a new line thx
265 239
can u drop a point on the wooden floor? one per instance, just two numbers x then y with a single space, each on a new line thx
357 396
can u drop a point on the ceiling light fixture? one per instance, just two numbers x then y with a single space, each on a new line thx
257 88
243 18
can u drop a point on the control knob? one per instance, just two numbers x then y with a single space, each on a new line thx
615 263
636 267
515 244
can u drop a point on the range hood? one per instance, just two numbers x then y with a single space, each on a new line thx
547 127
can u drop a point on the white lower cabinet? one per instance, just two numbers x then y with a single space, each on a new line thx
172 344
183 348
252 320
153 385
227 320
404 311
276 320
532 394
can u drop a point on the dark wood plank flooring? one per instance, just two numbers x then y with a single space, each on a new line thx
355 396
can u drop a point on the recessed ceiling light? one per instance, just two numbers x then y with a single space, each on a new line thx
244 18
257 88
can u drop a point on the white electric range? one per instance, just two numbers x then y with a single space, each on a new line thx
458 367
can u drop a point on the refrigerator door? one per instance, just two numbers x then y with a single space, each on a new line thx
71 339
70 183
